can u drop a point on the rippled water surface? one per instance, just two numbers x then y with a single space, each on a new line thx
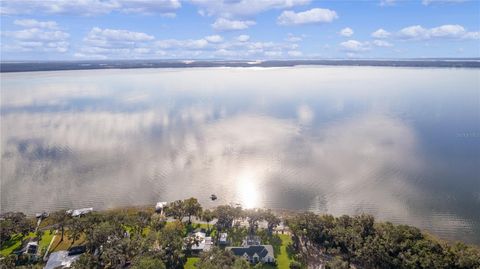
400 143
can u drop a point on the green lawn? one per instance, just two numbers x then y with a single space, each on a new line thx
11 245
15 242
191 263
45 241
283 260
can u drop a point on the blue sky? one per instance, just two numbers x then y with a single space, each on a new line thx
238 29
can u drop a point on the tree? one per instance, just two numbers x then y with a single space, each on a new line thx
12 223
464 256
254 216
171 243
86 260
8 262
226 215
147 262
157 222
192 208
176 210
75 229
208 216
295 265
241 263
272 221
60 220
102 233
337 263
217 258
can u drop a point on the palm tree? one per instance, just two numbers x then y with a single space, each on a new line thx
60 220
75 229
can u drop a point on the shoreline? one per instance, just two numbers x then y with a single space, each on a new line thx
18 67
283 214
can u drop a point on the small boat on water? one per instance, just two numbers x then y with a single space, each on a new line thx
213 197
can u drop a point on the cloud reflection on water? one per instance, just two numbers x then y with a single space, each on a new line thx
161 143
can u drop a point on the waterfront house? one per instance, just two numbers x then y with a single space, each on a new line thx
60 259
255 254
203 242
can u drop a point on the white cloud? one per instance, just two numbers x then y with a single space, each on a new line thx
380 33
90 7
472 35
35 34
115 42
31 23
428 2
223 24
242 8
163 7
382 43
346 32
315 15
295 53
188 44
214 38
355 46
387 2
448 31
243 38
98 34
413 32
273 53
39 36
294 38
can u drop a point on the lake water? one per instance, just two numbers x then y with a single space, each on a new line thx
402 144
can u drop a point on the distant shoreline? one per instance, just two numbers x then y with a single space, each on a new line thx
9 67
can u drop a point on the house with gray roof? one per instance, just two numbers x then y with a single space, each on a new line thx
255 254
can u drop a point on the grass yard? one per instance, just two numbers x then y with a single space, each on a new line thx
191 263
11 245
283 260
66 243
15 243
45 241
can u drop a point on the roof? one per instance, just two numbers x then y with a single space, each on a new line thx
60 259
79 212
204 242
160 205
261 250
251 240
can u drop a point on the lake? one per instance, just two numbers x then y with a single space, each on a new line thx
400 143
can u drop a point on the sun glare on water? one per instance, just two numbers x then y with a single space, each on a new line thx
247 190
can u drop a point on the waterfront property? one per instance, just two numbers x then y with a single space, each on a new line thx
202 242
255 254
60 259
79 212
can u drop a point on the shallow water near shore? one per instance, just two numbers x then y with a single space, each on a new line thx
402 144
